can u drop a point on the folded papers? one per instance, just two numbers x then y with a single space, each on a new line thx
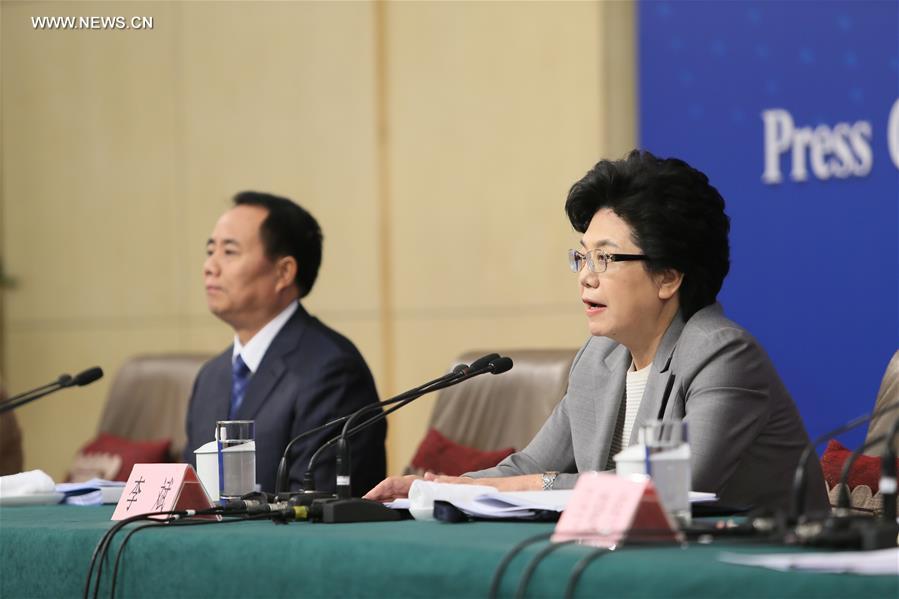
482 501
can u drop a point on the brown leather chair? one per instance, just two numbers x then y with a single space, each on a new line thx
148 399
887 395
497 411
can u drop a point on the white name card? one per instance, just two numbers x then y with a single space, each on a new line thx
607 509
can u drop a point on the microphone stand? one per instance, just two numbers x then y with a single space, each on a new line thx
351 509
64 381
888 475
800 482
308 493
842 529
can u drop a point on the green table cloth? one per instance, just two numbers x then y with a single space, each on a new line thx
45 552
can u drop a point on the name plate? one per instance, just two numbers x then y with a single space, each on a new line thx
161 488
606 509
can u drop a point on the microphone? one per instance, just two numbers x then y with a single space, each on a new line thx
347 509
86 377
63 381
342 464
281 482
490 363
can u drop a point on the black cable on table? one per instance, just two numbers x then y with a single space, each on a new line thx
507 559
176 523
579 568
100 551
532 567
121 550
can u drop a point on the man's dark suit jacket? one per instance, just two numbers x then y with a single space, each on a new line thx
309 375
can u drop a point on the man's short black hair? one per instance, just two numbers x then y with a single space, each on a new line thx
288 230
677 217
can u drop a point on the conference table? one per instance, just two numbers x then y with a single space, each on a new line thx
45 552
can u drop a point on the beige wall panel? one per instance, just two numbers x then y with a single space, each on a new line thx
495 112
280 99
55 427
87 134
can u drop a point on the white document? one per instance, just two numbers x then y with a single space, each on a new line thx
879 562
487 502
483 501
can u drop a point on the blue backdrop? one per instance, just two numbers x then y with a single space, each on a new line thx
787 107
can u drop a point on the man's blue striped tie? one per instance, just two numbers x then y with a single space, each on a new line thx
240 378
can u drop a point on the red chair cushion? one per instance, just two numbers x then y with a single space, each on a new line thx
112 457
865 470
440 455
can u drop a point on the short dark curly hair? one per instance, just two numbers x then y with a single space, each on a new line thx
288 230
677 217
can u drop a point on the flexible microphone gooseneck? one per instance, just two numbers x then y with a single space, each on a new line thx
844 502
492 363
349 509
343 466
63 381
281 482
888 475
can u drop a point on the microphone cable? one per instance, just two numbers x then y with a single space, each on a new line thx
500 571
118 556
101 550
529 570
174 523
580 567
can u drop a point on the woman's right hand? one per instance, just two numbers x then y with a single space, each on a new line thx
392 487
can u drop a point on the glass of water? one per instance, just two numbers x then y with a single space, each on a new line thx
668 464
236 440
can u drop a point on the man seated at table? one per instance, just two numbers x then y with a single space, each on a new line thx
654 254
285 370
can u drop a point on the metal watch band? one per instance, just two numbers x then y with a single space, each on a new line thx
549 478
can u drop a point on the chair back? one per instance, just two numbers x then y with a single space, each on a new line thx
148 399
506 410
888 395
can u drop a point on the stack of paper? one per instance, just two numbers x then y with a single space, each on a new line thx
482 501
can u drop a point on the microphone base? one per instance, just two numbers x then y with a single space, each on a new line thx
337 511
307 498
848 532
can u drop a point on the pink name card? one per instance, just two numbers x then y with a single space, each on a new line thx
606 509
161 488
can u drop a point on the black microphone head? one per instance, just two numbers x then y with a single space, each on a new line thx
500 365
483 362
461 369
87 377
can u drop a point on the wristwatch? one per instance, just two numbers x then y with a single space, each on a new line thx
549 478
